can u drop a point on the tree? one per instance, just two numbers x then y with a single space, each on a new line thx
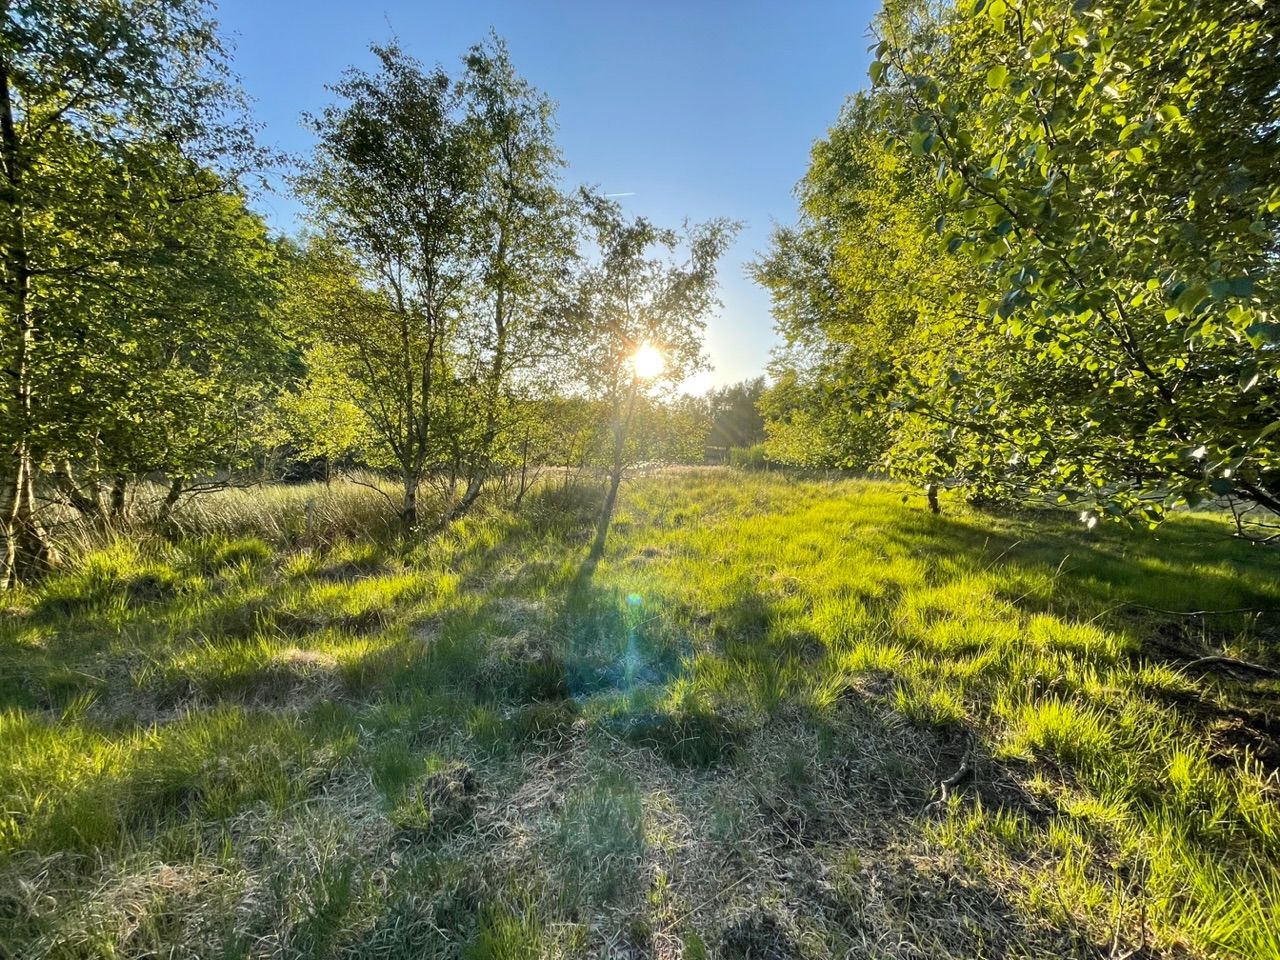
174 363
866 304
524 241
1111 171
391 188
441 237
110 116
644 296
670 430
736 420
1040 253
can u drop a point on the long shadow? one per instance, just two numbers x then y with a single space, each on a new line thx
1106 569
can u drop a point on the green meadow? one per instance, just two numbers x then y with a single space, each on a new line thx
779 717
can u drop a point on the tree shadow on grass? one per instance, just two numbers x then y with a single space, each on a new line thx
1190 568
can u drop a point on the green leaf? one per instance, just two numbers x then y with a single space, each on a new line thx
922 143
1264 332
998 77
1267 431
1248 376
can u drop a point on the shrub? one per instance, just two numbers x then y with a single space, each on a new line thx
749 458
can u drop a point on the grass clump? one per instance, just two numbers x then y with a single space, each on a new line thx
442 802
686 736
1071 731
508 933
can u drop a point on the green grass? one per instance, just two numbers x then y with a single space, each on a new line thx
281 733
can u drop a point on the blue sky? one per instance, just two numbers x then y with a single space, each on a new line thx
699 109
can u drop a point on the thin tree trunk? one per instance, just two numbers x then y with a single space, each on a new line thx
84 504
493 392
171 497
409 512
119 489
474 485
24 548
524 473
622 430
26 551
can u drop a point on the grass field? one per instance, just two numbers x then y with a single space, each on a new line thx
780 718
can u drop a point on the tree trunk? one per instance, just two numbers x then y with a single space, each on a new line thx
474 485
26 552
83 503
493 393
119 489
409 512
24 548
524 473
931 491
606 513
171 497
622 430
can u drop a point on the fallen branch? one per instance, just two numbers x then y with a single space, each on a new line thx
1192 613
1232 663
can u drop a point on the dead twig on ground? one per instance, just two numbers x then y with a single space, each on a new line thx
962 773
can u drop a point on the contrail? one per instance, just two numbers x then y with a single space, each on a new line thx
629 193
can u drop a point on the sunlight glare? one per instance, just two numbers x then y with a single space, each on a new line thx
648 361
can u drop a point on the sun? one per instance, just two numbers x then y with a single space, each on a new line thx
648 361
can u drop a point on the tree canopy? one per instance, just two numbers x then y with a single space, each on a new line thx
1080 203
134 277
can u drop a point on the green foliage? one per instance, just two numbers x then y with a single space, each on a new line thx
736 419
647 286
1112 171
749 458
426 294
1041 251
134 332
854 303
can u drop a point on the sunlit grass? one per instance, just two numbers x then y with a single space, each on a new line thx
285 669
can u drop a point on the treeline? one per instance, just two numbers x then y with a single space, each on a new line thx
1039 258
451 309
